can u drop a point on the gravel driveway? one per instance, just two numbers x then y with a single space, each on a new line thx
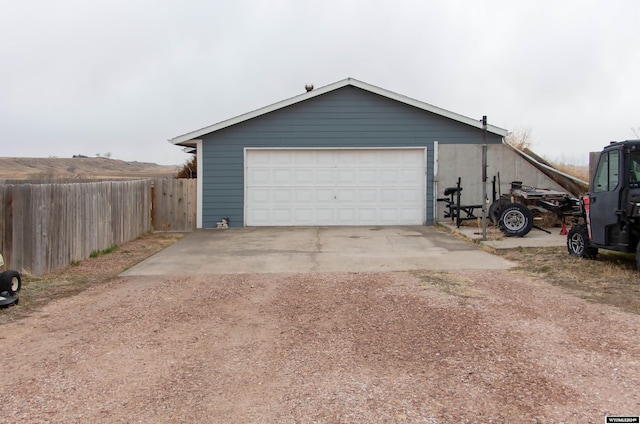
415 347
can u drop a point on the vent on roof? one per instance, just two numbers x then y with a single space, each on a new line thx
308 87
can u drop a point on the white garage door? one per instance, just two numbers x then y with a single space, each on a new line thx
335 187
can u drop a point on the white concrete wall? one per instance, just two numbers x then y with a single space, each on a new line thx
465 161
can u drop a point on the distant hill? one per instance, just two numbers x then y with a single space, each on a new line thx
80 168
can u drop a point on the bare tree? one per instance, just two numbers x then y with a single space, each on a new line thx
520 138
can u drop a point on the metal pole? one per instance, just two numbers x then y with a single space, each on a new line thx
484 178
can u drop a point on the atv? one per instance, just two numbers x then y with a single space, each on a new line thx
610 212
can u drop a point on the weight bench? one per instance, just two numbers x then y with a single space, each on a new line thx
453 208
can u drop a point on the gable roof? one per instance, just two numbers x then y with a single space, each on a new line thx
188 138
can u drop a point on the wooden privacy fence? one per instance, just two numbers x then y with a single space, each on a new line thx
173 204
48 226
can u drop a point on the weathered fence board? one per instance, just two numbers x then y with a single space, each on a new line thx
47 226
174 204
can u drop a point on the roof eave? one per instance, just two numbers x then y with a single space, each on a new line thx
183 140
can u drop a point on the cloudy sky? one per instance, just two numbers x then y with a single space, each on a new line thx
121 77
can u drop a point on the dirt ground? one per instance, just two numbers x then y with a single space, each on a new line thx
415 347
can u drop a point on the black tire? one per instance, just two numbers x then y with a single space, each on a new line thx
495 209
6 301
578 242
10 281
516 220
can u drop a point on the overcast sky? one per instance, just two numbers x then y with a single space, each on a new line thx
121 77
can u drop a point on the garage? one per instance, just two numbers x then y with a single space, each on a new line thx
348 153
359 186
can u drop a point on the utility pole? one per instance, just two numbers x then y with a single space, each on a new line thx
484 178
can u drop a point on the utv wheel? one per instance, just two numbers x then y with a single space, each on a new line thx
495 209
578 242
10 281
516 220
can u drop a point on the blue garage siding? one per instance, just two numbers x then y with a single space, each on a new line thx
347 117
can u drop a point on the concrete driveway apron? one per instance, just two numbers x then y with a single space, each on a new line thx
316 249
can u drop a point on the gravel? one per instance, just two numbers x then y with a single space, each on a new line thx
415 347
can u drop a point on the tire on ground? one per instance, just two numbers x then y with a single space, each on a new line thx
578 242
10 281
516 220
495 209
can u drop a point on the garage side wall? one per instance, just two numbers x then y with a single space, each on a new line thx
347 117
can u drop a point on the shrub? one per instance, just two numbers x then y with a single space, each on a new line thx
189 169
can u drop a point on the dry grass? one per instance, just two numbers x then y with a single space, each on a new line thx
613 278
578 171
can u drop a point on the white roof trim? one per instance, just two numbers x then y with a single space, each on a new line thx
189 137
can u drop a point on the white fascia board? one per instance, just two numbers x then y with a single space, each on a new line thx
188 138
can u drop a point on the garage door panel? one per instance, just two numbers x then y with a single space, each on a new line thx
368 176
281 157
345 158
409 196
388 196
281 216
303 216
368 216
345 216
325 195
281 176
389 176
303 176
302 196
347 176
324 158
410 214
368 158
408 159
325 176
368 196
388 215
282 196
257 195
305 158
335 187
325 216
406 176
346 195
260 216
257 177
